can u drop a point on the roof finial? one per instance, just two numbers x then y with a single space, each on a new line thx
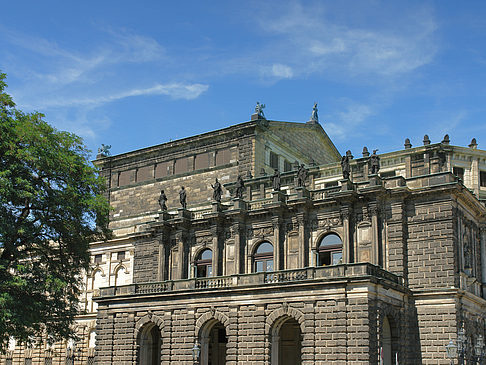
314 119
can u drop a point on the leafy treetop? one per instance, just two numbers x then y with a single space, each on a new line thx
51 207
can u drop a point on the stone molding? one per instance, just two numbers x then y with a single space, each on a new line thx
285 310
208 316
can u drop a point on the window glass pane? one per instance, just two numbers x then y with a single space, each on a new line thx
259 266
265 247
337 258
269 265
330 240
207 254
209 270
324 258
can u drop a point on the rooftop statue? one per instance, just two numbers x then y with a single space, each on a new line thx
314 116
374 163
239 187
162 201
217 191
345 167
302 174
183 197
259 110
276 180
104 150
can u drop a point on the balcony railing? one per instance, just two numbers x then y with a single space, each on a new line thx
318 274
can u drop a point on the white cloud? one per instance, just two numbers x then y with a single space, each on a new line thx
173 90
311 42
353 115
282 71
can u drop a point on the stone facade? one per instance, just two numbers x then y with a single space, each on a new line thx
389 265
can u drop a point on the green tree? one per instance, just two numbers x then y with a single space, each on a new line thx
51 207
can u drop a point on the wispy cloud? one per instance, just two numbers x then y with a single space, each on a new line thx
174 90
301 39
353 115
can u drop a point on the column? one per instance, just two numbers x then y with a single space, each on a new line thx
217 270
276 222
375 252
347 245
237 231
302 219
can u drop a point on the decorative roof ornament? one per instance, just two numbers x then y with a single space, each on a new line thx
104 150
473 144
407 143
314 119
258 112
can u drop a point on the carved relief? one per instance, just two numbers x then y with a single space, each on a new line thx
330 222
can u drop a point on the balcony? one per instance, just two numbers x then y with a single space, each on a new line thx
310 274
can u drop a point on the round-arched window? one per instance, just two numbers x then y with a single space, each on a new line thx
330 250
204 264
263 257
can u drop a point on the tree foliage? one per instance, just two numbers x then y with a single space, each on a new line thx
51 207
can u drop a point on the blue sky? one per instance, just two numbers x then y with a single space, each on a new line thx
136 74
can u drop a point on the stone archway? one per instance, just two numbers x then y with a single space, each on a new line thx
213 340
149 342
286 342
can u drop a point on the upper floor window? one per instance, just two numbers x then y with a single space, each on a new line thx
120 256
287 166
459 172
330 250
263 257
482 178
98 259
273 160
204 264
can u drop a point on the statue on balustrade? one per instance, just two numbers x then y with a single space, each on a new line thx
276 180
239 187
345 167
374 163
162 201
302 174
183 197
217 191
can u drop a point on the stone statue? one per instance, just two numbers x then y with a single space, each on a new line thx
217 191
104 150
345 167
162 201
301 176
183 197
259 110
314 116
239 187
374 163
276 180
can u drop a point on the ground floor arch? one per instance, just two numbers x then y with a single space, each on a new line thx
213 340
286 342
149 345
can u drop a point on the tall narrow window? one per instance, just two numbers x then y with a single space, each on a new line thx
459 172
330 250
273 160
263 257
204 264
482 178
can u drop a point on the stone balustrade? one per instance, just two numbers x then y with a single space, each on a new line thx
344 271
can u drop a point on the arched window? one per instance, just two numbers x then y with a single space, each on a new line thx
263 257
204 264
386 347
213 342
330 250
286 340
121 277
150 343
